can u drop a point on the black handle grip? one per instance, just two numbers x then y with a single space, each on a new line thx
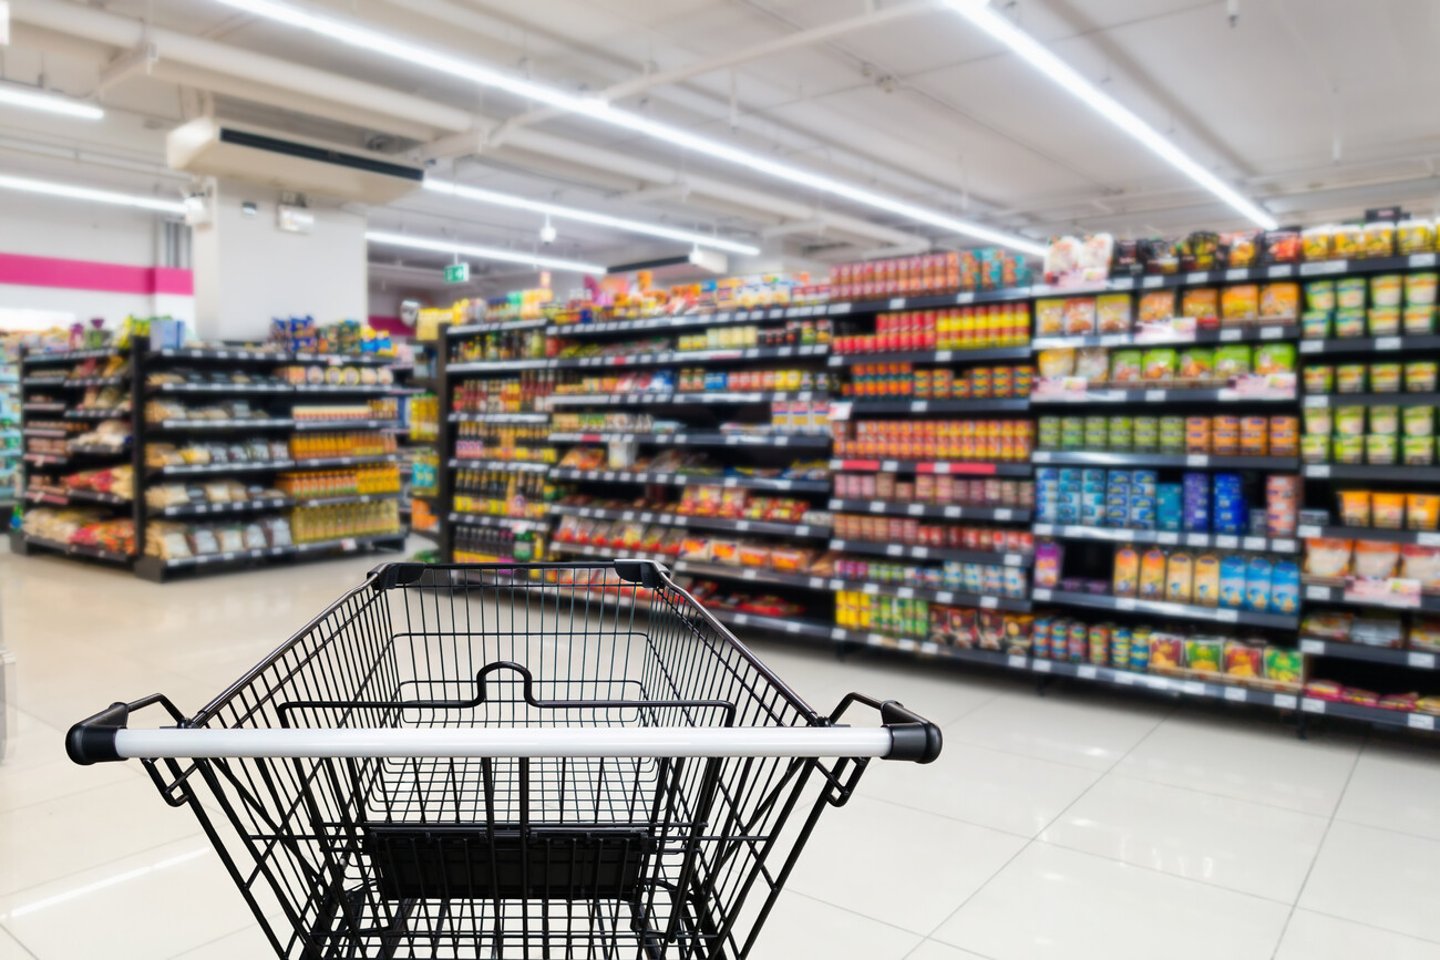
92 740
912 737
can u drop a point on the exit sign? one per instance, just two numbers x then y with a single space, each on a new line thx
457 273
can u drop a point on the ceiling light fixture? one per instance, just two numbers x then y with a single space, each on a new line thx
69 192
586 216
993 22
597 109
453 248
12 95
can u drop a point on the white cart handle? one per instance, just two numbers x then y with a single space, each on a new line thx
105 736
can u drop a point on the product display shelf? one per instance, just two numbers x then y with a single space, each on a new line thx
1422 475
1161 395
11 444
1162 337
731 525
1425 538
1321 591
817 440
77 457
1332 400
717 397
958 468
279 424
979 355
696 479
862 408
909 552
1406 344
499 417
946 511
668 357
1184 611
1188 461
1174 538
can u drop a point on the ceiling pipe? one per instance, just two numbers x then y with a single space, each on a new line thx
801 38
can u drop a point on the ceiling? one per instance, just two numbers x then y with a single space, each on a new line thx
1315 108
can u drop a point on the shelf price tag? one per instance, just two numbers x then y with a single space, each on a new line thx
1226 542
1422 259
1227 616
1197 460
1317 402
1311 346
989 603
1387 343
1280 270
1087 671
1015 662
966 297
1124 603
1040 593
1154 396
915 510
1312 646
1311 705
1197 276
1315 591
1236 694
1042 666
1285 701
919 406
1126 679
1420 661
1319 470
897 303
1323 267
1420 721
1150 283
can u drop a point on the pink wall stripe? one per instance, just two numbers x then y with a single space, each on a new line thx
26 271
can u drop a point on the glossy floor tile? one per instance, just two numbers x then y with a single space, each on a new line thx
1249 847
1074 825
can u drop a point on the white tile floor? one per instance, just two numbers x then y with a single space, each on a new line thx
1073 825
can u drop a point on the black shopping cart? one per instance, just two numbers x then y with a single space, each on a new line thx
509 761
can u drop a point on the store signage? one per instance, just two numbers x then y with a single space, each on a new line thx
457 273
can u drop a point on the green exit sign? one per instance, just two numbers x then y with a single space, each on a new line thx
457 273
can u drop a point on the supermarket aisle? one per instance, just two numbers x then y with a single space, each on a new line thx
1075 825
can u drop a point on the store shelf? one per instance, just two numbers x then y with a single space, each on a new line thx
1185 460
237 389
340 390
68 356
669 357
72 549
1325 593
848 409
1160 395
681 399
45 459
212 469
792 626
339 544
1219 541
1410 659
1365 471
222 509
1426 538
700 439
499 418
239 354
695 479
314 425
494 326
513 466
933 595
938 467
1421 343
800 530
44 432
486 520
1162 608
45 408
95 496
924 648
761 576
1328 400
320 463
609 553
35 382
945 511
93 414
981 355
908 552
200 426
492 366
1157 338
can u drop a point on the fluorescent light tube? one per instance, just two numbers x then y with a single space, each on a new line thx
17 96
999 27
586 216
377 42
480 253
69 192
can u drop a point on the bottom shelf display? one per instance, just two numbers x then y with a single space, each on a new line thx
81 531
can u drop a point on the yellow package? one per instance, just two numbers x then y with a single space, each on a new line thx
1152 575
1113 312
1127 572
1206 589
1049 318
1240 304
1280 301
1179 577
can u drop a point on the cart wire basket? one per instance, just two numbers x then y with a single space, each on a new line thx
551 760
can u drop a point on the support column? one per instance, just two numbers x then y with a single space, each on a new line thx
248 270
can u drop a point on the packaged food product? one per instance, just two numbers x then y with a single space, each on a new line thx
1420 376
1318 421
1280 301
1348 449
1099 644
1080 317
1383 321
1320 295
1254 436
1284 668
1319 378
1126 579
1160 364
1113 312
1257 584
1415 236
1421 563
1387 510
1196 364
1232 581
1204 654
1315 242
1327 557
1355 508
1126 366
1350 293
1418 451
1419 421
1385 420
1056 362
1381 449
1282 245
1231 360
1285 587
1206 589
1200 303
1375 558
1050 318
1167 653
1179 577
1151 585
1224 435
1092 364
1350 378
1422 511
1349 323
1315 325
1239 304
1420 289
1244 661
1242 248
1347 240
1197 435
1380 238
1418 321
1156 306
1425 634
1271 358
1386 290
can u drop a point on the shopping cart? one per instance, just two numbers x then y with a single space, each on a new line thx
505 761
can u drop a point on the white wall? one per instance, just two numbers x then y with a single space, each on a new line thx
247 270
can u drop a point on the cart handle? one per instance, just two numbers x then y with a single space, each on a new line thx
105 737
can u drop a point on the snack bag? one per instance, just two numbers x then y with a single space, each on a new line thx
1049 318
1156 306
1201 303
1239 304
1113 312
1204 654
1080 319
1179 577
1127 571
1280 301
1244 661
1152 574
1197 364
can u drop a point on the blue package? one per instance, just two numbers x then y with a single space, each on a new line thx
1232 581
1285 587
1167 506
1258 588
